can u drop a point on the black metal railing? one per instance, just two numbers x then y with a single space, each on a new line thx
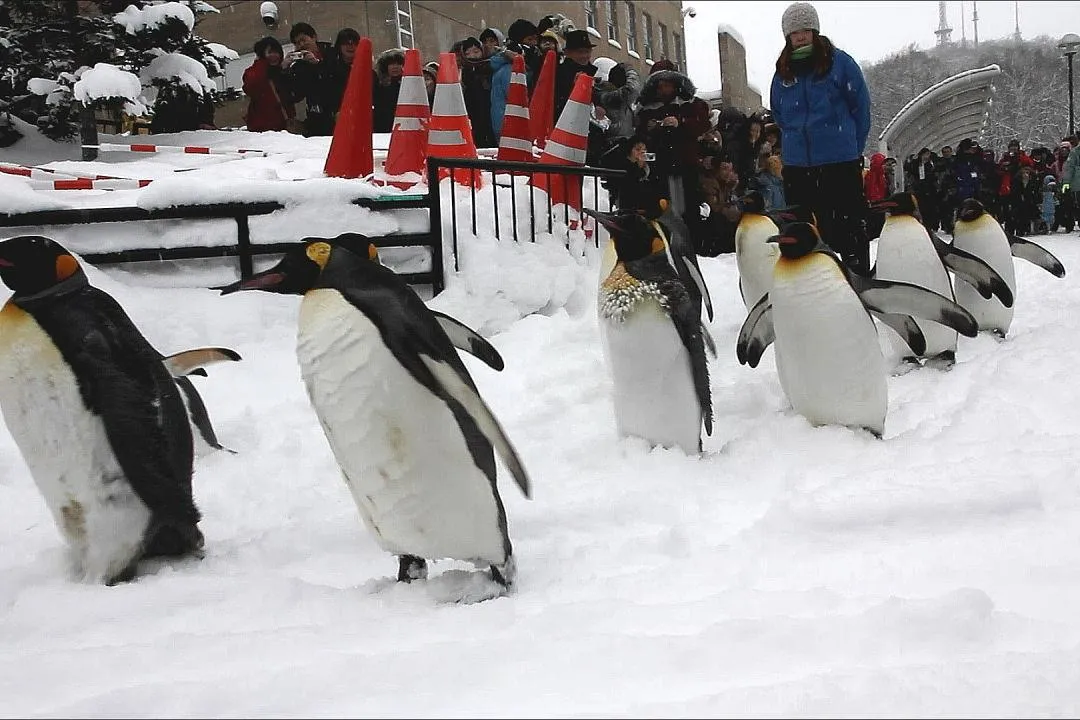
244 250
492 167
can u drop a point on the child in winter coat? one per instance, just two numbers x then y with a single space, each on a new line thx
1049 204
770 182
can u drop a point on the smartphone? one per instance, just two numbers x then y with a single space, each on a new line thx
295 55
650 157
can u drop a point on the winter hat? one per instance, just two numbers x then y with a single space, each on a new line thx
470 42
520 29
493 33
800 16
663 64
617 75
551 35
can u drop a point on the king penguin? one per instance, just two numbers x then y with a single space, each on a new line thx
981 235
907 252
653 340
828 356
96 415
415 441
754 255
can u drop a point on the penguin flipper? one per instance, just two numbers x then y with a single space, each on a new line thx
906 327
455 386
888 296
200 418
682 255
192 362
756 334
692 333
1036 254
974 271
695 274
467 339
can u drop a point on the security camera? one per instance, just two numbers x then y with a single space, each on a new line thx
269 13
689 11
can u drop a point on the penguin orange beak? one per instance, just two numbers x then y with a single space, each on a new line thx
260 281
883 205
782 239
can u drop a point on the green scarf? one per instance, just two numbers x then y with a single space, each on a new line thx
802 53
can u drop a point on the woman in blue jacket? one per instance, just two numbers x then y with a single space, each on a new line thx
820 101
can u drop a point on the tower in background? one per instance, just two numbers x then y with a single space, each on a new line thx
944 32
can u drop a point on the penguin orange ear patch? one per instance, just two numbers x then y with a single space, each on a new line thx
66 266
319 253
373 252
663 204
657 245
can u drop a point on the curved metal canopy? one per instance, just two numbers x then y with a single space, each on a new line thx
943 114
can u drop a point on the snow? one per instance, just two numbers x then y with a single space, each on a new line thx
730 30
789 571
135 20
187 71
105 81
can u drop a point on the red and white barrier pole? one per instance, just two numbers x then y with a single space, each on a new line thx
34 173
183 149
89 184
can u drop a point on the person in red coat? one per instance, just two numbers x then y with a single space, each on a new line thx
270 103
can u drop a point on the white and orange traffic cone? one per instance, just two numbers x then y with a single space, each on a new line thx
449 131
542 105
515 143
408 139
567 146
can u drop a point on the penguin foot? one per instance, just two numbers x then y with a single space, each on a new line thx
504 574
411 568
907 364
998 334
943 361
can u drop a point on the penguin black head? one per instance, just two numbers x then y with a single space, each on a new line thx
971 209
299 269
899 203
797 240
31 264
793 214
634 236
752 202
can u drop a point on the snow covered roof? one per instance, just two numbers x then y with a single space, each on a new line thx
725 28
943 114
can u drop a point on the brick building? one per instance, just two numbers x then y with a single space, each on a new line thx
636 32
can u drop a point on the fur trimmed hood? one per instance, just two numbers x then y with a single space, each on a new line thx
684 88
384 58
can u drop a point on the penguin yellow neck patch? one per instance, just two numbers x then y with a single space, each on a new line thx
319 253
66 266
372 252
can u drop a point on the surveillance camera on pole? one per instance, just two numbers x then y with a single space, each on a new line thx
689 11
269 13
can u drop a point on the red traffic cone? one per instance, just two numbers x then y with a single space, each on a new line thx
515 143
408 139
542 107
351 153
450 132
567 145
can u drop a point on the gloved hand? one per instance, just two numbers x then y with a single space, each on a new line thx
705 211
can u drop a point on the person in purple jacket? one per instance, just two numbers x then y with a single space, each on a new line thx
821 103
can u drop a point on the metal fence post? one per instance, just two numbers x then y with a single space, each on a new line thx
243 244
438 276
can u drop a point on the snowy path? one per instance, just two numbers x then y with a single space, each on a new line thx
792 571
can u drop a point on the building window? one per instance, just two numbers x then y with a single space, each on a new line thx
631 28
665 47
613 20
646 25
590 13
677 42
403 18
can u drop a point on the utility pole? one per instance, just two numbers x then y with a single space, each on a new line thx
1016 33
963 26
975 20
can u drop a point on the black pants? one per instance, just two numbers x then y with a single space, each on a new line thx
834 192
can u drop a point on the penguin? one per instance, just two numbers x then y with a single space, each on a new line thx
415 441
828 356
653 339
96 416
907 252
981 235
754 255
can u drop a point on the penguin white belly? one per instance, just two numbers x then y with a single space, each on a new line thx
755 258
654 392
985 239
71 461
401 451
906 254
827 352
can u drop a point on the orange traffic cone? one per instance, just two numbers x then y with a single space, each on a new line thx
542 107
515 142
408 139
450 132
567 145
351 152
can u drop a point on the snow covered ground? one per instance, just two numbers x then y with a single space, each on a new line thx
790 571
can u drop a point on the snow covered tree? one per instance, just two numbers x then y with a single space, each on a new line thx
62 59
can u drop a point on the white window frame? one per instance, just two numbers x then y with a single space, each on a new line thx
613 21
665 44
647 38
676 44
591 11
631 27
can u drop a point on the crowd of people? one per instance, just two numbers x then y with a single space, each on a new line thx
808 150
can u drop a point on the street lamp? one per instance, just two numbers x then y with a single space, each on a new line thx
1069 45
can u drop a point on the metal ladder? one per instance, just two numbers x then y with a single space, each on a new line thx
403 21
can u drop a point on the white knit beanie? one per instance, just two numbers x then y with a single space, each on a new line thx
800 16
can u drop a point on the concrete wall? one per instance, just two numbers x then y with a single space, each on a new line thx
734 88
437 24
